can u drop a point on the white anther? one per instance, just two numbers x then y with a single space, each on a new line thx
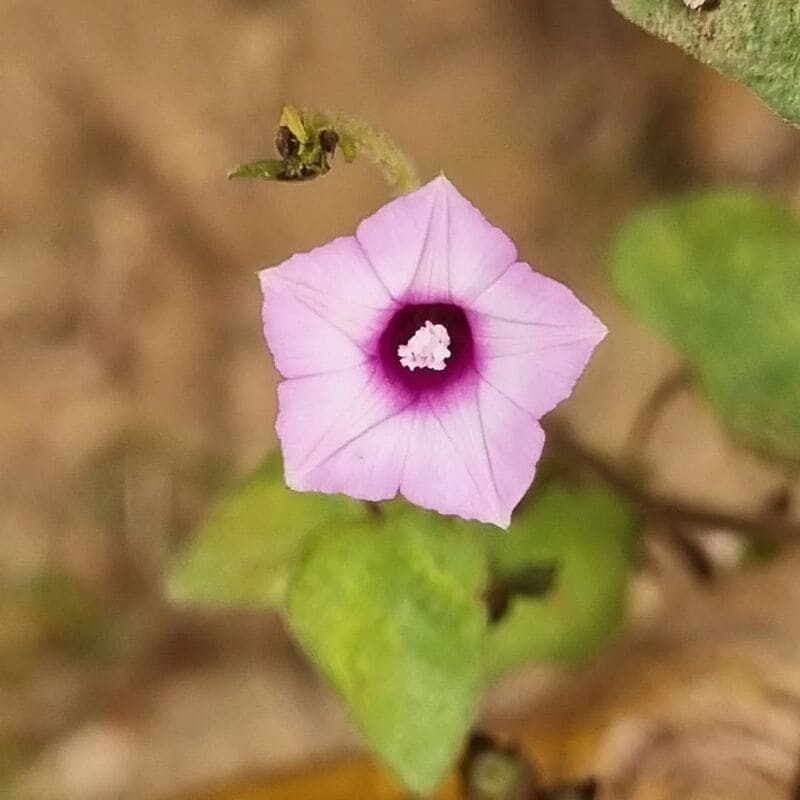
428 348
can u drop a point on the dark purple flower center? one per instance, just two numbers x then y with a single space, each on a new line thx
404 324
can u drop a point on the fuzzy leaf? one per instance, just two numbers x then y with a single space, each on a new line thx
268 169
391 613
718 274
292 118
586 535
756 43
244 552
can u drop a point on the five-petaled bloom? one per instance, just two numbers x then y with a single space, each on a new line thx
418 357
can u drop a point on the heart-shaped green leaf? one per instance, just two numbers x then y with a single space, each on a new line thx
244 552
754 42
718 274
586 535
391 612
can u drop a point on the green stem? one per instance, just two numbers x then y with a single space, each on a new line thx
397 168
307 140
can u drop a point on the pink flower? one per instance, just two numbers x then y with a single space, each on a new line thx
418 357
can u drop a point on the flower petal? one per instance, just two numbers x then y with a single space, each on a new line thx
472 454
434 245
342 432
322 309
534 338
514 440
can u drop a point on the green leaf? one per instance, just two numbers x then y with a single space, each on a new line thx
756 43
391 612
292 118
587 534
267 169
718 274
244 552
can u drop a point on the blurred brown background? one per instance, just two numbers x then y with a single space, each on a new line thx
135 381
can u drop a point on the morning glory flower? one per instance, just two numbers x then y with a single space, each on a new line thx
418 357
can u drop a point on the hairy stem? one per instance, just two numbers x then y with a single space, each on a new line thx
664 508
397 168
667 389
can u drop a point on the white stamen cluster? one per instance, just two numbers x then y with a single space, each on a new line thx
428 348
